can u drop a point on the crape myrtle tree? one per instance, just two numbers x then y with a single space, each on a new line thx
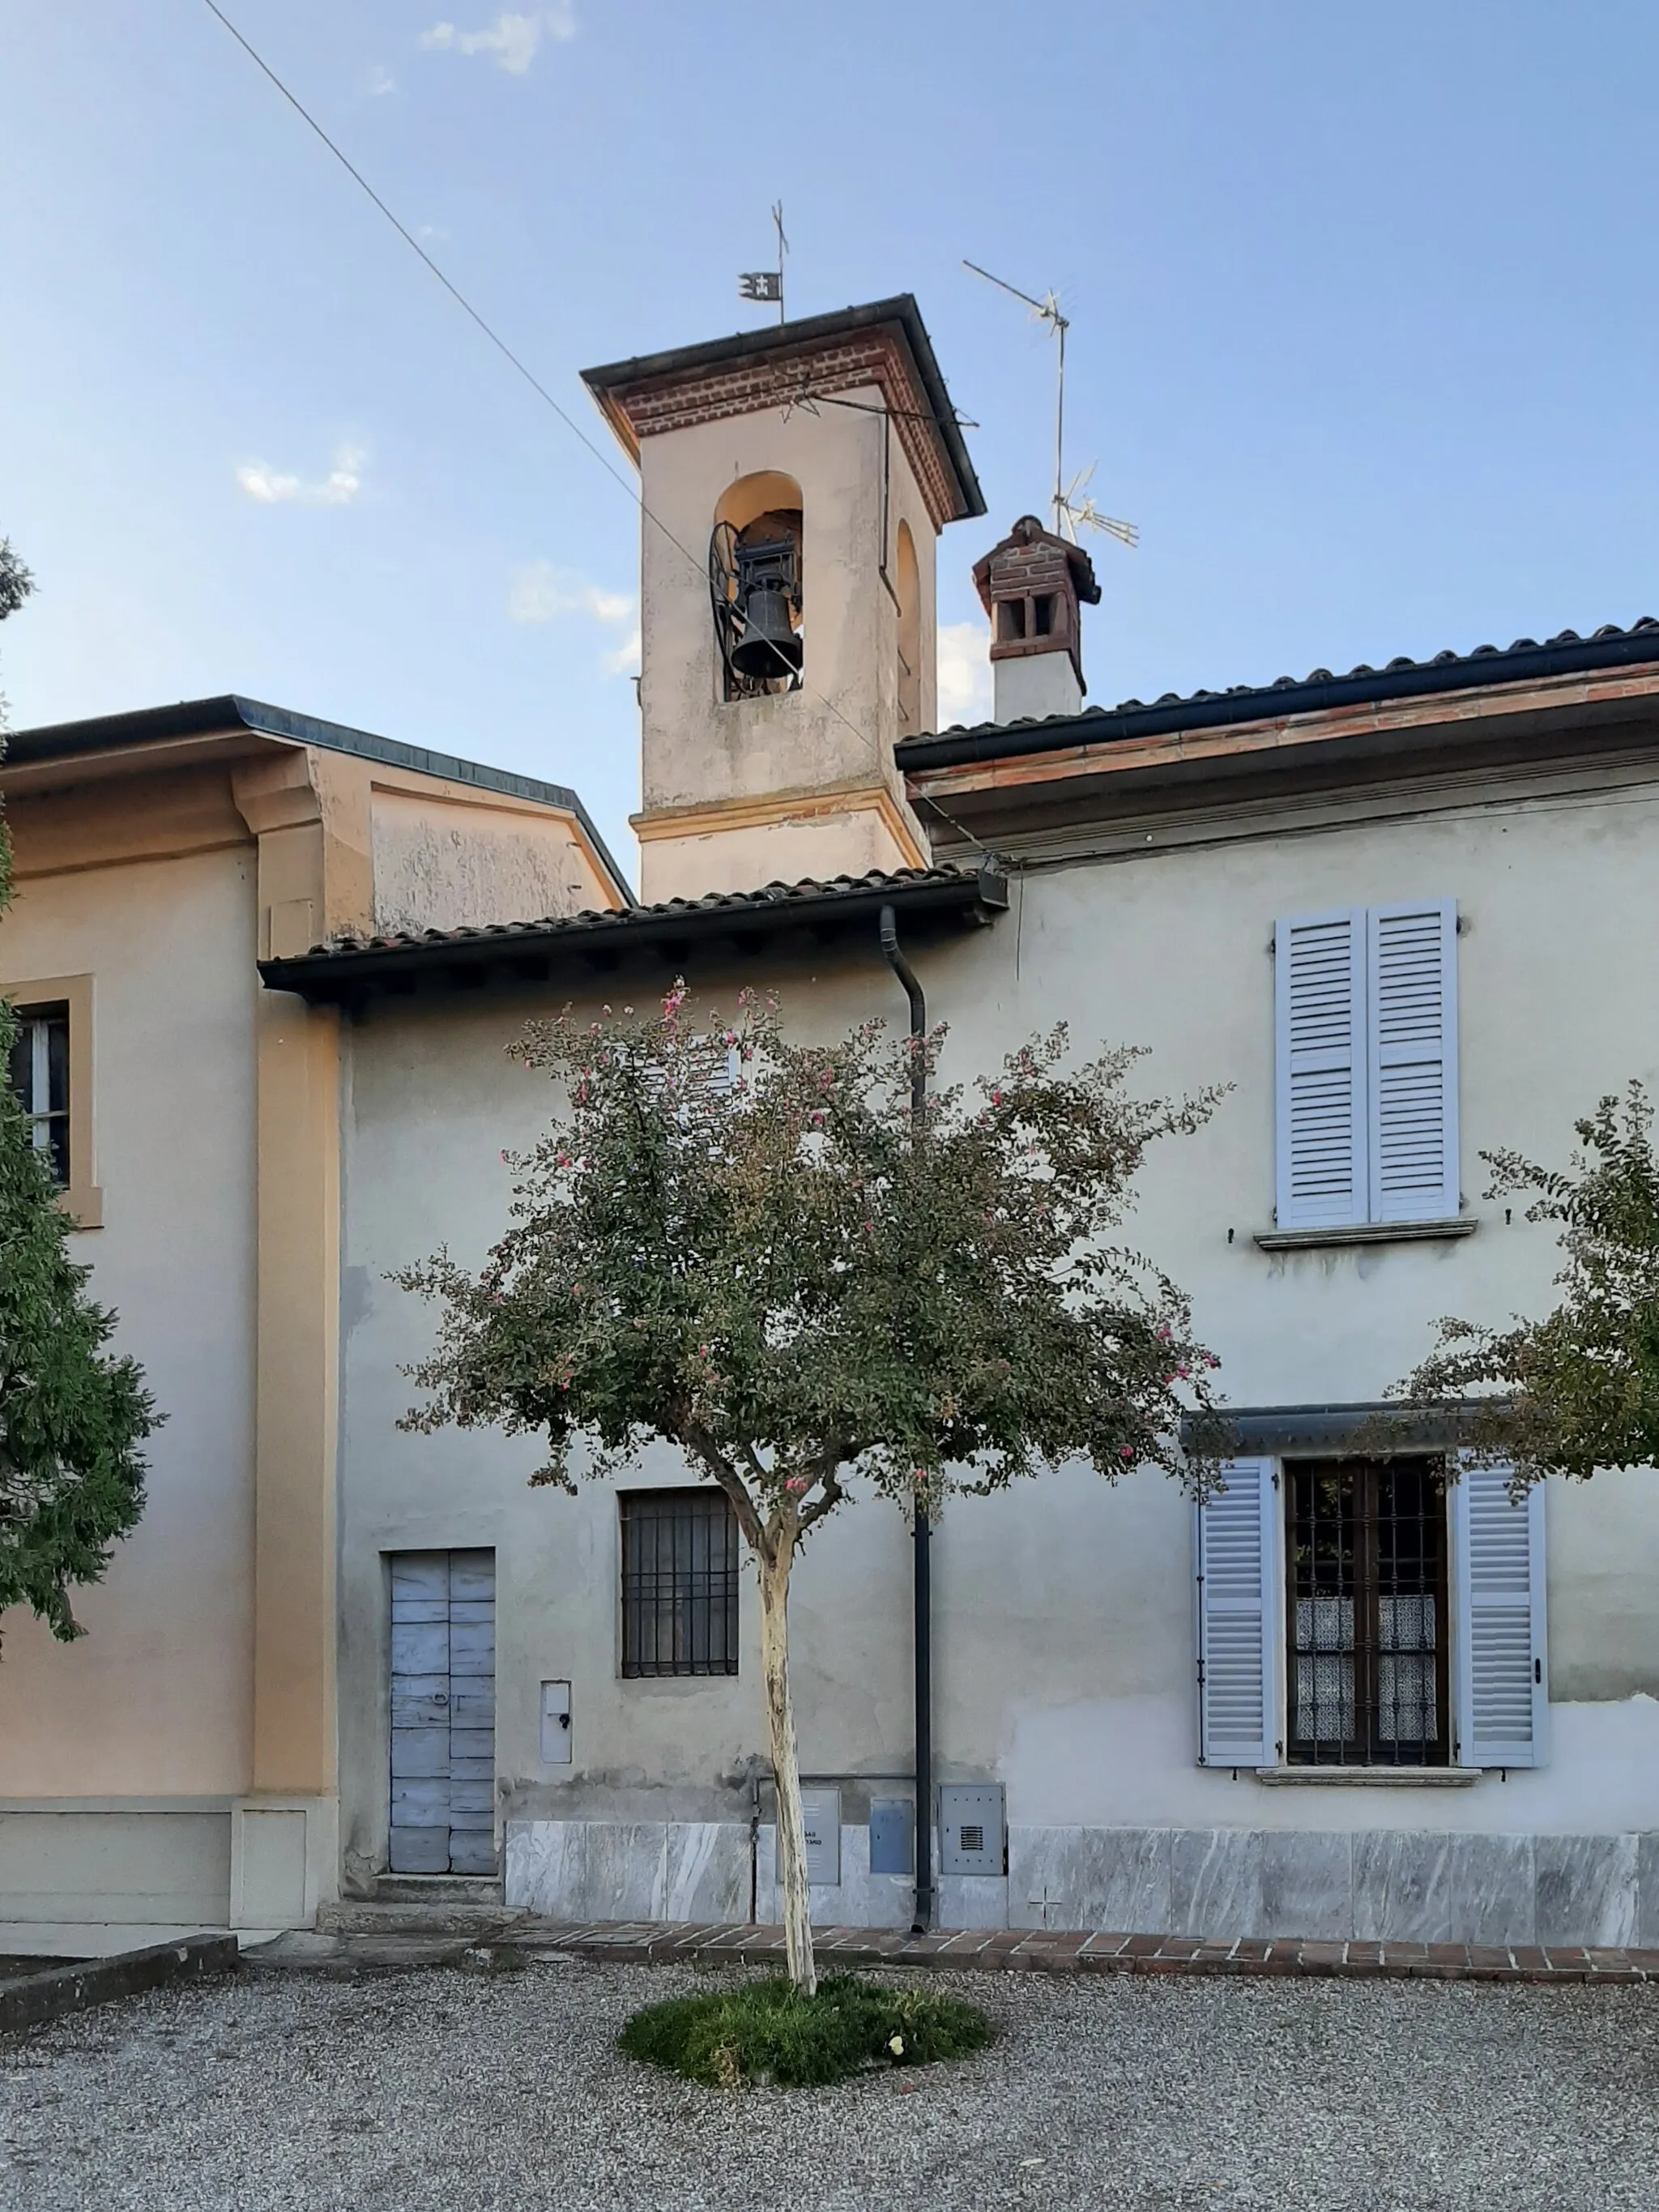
1578 1390
746 1247
72 1418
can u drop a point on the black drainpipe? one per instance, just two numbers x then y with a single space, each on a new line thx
921 1531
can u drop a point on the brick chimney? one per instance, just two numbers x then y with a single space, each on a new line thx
1031 586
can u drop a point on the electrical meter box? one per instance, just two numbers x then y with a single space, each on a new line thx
555 1724
820 1812
893 1836
971 1829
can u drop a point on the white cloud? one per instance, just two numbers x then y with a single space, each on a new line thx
378 82
540 593
273 488
964 673
511 40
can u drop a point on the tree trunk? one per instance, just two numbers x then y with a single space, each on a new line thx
786 1768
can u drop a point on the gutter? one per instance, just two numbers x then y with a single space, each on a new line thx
942 901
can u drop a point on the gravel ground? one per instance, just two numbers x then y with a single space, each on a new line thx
398 2091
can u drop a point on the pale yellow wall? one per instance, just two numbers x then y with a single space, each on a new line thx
443 864
155 1699
839 730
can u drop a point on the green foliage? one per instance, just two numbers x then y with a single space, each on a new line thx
72 1418
15 584
1580 1388
772 1272
767 2031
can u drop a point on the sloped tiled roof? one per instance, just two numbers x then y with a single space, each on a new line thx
1526 660
529 949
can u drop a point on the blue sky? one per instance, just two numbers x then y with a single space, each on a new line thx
1364 326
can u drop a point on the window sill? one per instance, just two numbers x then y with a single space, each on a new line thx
1368 1777
84 1204
1364 1233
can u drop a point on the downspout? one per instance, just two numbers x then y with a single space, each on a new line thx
921 1531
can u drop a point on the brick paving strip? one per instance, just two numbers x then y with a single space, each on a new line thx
1023 1950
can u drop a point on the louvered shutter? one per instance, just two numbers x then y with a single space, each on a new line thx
1319 985
1411 957
1238 1565
1498 1629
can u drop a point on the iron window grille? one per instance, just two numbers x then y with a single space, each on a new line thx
679 1582
1365 1613
37 1073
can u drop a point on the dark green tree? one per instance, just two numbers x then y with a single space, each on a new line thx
1578 1390
73 1418
747 1247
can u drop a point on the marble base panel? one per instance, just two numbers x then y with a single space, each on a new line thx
629 1870
1377 1885
859 1900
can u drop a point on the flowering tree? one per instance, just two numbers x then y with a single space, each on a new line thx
1578 1390
748 1247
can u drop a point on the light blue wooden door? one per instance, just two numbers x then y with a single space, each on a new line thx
443 1712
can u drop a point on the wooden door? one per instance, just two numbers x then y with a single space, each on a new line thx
443 1712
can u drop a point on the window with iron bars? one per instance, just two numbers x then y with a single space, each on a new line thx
679 1582
37 1073
1365 1613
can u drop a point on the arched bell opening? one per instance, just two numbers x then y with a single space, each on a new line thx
906 586
756 585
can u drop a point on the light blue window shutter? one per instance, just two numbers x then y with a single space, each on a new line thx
1411 955
1319 988
1239 1558
1501 1672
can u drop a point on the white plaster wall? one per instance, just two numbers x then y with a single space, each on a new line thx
1064 1656
698 747
154 1700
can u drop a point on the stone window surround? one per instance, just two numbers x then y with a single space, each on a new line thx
83 1200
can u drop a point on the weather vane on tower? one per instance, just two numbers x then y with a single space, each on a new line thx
768 284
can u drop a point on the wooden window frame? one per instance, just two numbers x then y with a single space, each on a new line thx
82 1200
1367 1592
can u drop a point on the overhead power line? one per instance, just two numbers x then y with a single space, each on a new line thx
633 492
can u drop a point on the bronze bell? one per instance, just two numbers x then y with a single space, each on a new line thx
770 646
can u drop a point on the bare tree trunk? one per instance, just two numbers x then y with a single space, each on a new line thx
786 1766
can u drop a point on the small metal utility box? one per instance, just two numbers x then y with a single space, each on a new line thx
821 1815
893 1836
555 1724
971 1828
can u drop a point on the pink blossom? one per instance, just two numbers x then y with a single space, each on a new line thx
1126 1451
796 1482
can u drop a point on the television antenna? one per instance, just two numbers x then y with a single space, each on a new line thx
1074 510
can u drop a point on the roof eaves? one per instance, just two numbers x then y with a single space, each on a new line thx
349 970
1488 667
190 718
605 382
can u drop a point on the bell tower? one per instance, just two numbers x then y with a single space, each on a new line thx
794 483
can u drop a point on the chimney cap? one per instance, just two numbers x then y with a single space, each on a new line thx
1027 532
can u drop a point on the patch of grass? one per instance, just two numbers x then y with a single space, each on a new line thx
765 2031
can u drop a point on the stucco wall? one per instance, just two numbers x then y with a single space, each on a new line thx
443 865
1063 1660
154 1700
699 749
